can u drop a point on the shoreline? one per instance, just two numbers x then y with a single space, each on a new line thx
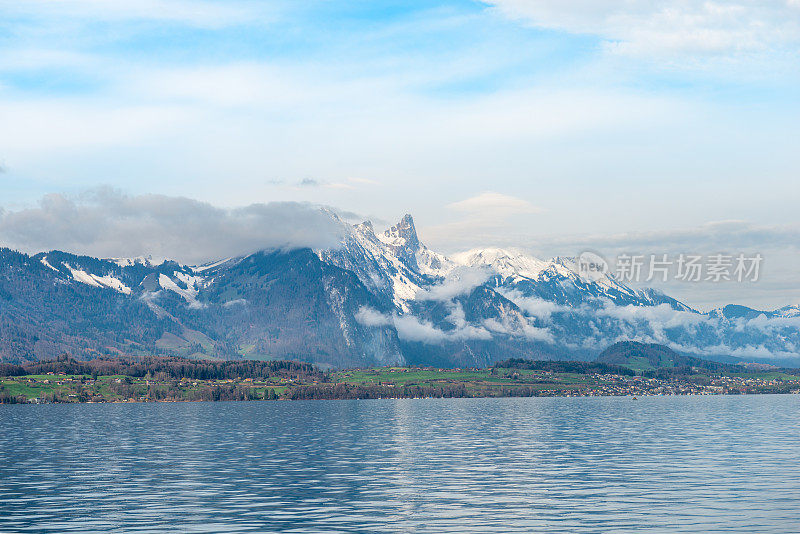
164 384
36 402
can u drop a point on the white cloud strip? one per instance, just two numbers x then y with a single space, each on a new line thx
671 28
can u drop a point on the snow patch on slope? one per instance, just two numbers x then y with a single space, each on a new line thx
98 281
189 294
114 283
46 264
130 262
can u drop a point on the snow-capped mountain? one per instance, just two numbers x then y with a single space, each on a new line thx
557 280
123 274
393 264
376 298
789 311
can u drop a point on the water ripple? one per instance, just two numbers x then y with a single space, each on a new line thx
671 464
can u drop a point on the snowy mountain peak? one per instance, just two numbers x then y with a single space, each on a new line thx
505 262
558 280
366 228
789 311
403 234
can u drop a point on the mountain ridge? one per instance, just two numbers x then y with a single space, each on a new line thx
376 298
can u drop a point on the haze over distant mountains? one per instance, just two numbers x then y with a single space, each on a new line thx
375 298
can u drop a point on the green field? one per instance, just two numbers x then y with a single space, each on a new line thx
395 382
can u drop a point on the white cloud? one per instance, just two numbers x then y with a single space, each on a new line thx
460 281
372 317
708 237
672 28
520 329
771 324
535 307
659 317
761 337
107 223
411 328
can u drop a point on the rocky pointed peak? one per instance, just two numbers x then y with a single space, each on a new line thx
366 228
405 231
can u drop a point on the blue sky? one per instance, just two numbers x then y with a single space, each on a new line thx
546 125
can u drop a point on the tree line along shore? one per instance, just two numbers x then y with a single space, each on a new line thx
171 379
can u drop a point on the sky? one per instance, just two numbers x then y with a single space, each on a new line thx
551 126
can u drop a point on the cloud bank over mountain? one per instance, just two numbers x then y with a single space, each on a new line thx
107 223
104 222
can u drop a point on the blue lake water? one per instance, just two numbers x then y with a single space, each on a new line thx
671 464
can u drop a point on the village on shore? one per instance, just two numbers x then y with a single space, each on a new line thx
389 382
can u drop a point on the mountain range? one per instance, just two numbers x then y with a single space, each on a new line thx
376 298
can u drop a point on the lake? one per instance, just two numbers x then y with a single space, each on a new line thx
658 464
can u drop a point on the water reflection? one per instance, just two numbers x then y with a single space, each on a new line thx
471 465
